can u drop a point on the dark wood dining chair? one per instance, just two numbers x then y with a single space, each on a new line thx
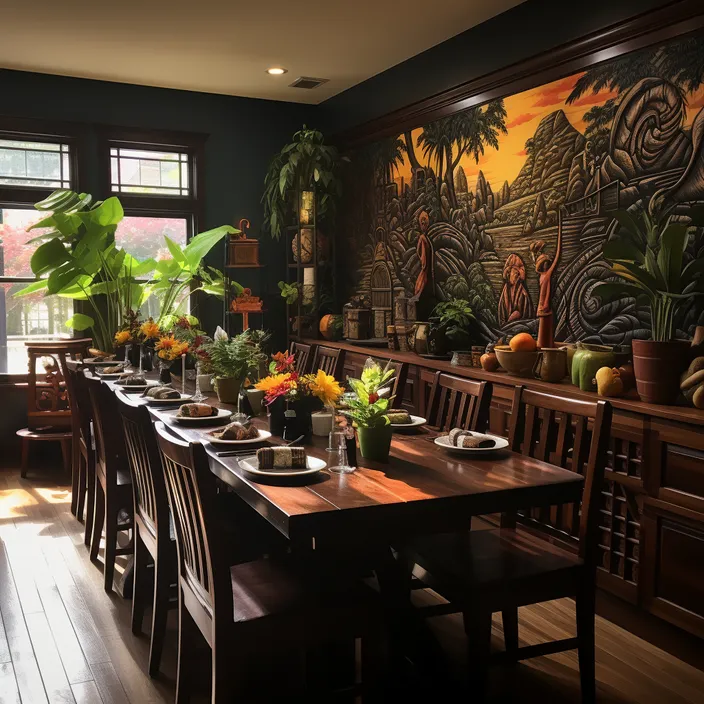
500 570
303 356
254 607
456 402
154 538
83 455
113 482
330 360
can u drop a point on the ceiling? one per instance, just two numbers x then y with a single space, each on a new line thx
225 46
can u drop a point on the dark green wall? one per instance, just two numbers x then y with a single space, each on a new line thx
243 134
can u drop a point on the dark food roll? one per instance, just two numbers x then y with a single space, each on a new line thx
456 434
196 410
399 417
477 441
161 392
131 380
281 458
236 431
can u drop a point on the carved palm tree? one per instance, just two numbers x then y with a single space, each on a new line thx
598 120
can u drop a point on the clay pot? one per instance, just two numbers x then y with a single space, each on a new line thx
658 366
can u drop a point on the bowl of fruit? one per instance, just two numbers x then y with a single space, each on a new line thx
519 356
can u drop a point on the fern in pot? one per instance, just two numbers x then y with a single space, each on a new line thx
233 360
649 254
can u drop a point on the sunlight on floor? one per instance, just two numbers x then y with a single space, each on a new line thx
12 501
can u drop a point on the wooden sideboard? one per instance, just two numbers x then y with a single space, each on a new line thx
652 528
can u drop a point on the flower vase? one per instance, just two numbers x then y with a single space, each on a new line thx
164 371
147 358
375 443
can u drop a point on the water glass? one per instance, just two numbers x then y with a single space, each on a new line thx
342 466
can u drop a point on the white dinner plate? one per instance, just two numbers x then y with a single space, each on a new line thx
416 422
501 444
102 363
263 435
203 420
183 398
114 376
133 388
249 464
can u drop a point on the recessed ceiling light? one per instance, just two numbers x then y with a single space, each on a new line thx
276 71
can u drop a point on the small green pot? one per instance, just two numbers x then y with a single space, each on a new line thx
228 388
375 443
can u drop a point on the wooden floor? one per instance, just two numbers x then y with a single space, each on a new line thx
63 639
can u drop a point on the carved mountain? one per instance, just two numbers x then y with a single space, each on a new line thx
554 145
461 181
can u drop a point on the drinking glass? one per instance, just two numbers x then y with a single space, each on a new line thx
128 366
342 466
198 396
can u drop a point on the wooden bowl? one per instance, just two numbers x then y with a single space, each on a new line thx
519 363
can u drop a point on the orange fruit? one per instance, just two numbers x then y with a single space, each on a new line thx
522 342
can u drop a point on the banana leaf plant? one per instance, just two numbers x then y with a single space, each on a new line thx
649 253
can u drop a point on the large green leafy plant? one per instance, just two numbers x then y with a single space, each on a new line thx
455 316
649 253
306 163
236 357
77 258
368 409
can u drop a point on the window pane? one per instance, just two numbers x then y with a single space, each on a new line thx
32 318
149 172
15 254
38 164
143 237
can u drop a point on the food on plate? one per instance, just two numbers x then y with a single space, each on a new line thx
399 417
99 355
196 410
132 380
522 342
281 458
117 369
465 438
162 392
235 431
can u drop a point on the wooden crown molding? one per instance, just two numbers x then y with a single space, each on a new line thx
664 23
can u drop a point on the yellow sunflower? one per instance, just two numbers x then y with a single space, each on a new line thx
149 329
271 382
122 337
325 388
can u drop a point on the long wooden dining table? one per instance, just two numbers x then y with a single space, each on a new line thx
422 489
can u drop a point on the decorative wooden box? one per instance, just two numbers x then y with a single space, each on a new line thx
243 251
357 323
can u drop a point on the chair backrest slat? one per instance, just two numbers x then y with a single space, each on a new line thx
79 398
150 500
459 403
191 491
303 356
110 450
330 360
572 434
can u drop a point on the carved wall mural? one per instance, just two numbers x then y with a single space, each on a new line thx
509 204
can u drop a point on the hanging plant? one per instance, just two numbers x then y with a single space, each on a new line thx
305 163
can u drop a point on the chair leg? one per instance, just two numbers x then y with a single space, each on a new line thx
163 573
224 683
25 457
509 617
585 607
75 476
187 634
98 521
477 627
110 545
81 500
90 500
140 566
374 661
66 455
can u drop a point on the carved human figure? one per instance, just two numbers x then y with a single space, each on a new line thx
424 250
545 266
515 303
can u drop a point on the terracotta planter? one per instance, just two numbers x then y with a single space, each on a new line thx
658 366
375 443
228 388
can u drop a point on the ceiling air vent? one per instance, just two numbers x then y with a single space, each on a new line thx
308 83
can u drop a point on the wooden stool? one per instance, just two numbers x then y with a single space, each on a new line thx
26 436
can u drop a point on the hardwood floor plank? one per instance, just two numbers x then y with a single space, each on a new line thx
9 694
4 645
108 684
86 693
21 562
57 687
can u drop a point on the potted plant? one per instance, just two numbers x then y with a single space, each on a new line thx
649 254
306 168
449 326
233 359
368 410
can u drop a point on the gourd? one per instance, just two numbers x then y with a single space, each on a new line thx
585 363
608 382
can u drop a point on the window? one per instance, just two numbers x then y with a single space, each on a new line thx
145 171
31 167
